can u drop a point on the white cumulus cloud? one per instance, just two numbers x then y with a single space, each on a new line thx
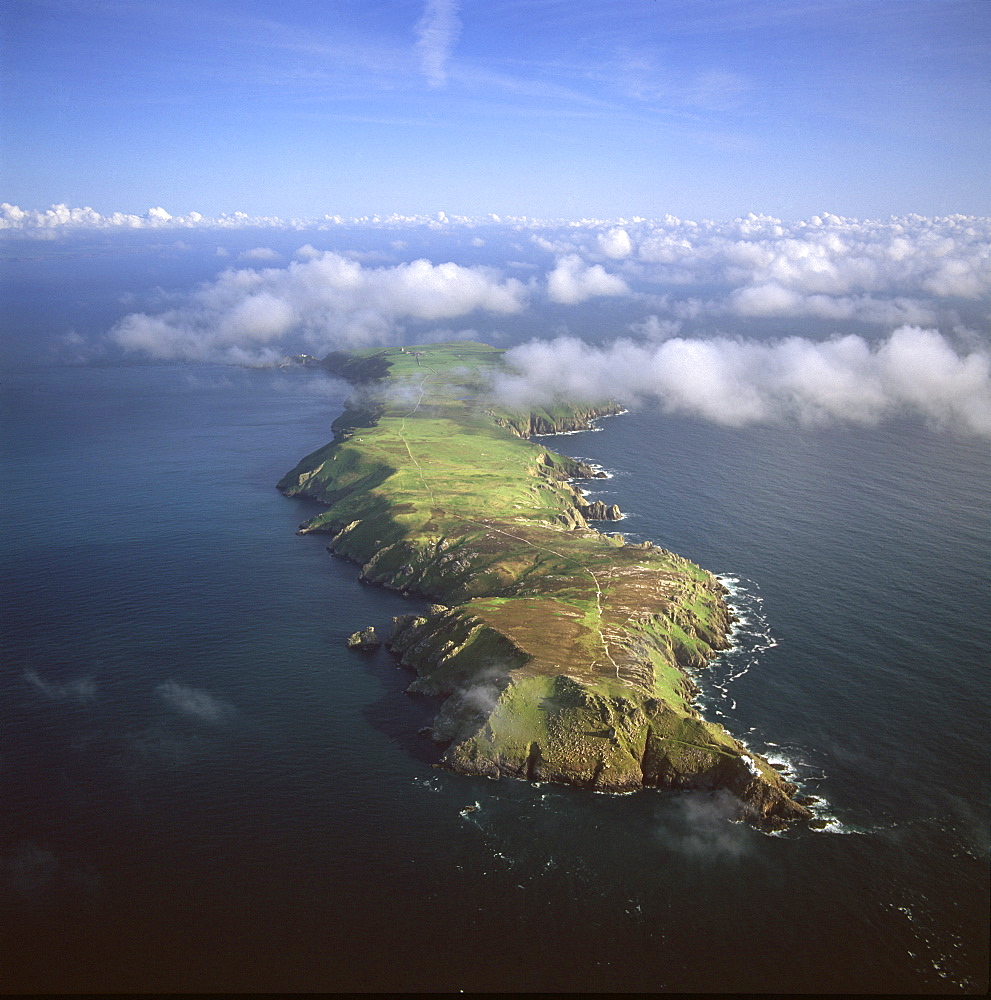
573 281
263 254
915 371
322 300
59 217
615 243
774 300
880 272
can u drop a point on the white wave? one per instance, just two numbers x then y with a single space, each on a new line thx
587 461
752 766
833 825
586 430
430 784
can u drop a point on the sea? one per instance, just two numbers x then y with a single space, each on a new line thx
204 790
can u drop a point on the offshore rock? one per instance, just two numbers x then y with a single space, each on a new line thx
367 638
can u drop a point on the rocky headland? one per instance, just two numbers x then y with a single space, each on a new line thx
563 653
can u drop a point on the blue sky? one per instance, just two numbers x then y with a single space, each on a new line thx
601 108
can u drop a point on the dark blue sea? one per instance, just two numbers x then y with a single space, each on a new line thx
204 790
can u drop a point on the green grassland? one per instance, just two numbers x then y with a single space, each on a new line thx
562 651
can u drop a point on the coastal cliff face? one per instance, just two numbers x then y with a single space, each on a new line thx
508 713
560 419
564 654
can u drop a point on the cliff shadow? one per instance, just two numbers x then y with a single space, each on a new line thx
396 714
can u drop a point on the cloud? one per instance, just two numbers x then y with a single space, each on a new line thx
484 692
654 328
437 32
61 216
82 689
774 300
913 270
883 273
323 300
260 254
193 702
792 380
558 246
615 243
573 281
911 258
700 824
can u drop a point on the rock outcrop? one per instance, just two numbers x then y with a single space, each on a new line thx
598 511
367 638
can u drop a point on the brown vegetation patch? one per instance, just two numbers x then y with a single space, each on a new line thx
551 631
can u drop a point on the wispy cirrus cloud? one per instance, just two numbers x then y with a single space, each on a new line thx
437 32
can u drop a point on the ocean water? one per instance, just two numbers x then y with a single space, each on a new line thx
204 790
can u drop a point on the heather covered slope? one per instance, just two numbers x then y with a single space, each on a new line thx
562 650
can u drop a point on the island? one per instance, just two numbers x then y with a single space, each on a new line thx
565 654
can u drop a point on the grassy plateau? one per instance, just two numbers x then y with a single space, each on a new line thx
562 650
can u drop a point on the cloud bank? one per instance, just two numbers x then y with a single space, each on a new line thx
683 284
909 270
324 300
60 217
887 273
915 371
